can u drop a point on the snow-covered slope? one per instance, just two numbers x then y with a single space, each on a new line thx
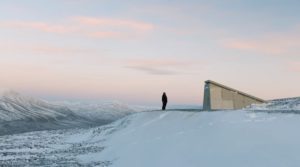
109 110
279 105
20 113
14 106
234 138
166 138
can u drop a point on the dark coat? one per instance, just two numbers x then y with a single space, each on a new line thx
164 98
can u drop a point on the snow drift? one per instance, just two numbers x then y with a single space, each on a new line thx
291 105
171 138
225 138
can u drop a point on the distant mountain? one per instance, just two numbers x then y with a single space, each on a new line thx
256 136
14 106
20 113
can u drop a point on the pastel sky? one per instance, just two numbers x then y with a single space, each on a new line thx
133 50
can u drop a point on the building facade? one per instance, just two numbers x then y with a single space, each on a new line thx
221 97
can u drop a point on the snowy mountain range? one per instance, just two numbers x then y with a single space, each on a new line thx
19 113
14 106
257 136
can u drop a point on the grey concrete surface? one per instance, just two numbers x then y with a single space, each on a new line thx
221 97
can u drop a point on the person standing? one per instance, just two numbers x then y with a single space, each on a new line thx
164 101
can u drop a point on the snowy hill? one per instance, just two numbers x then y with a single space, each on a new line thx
280 105
216 139
14 106
244 138
20 113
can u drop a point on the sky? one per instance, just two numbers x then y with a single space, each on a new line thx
133 50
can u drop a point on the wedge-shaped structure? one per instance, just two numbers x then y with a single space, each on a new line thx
221 97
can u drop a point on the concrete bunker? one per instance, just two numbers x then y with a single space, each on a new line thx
221 97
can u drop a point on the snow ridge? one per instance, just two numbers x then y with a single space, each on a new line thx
279 105
20 113
14 106
167 138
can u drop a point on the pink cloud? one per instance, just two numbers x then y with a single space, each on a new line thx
131 24
41 26
104 34
294 66
271 44
14 47
85 26
239 45
262 46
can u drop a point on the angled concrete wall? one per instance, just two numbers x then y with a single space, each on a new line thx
221 97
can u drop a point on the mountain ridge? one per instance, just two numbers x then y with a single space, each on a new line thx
19 113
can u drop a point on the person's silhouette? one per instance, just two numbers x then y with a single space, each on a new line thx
164 100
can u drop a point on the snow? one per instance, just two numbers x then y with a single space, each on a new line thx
79 137
252 137
19 113
109 110
226 138
14 106
281 105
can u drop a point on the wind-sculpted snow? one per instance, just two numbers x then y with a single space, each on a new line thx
164 138
105 110
19 113
291 105
167 138
57 147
